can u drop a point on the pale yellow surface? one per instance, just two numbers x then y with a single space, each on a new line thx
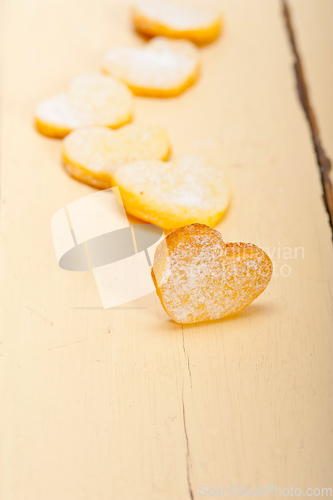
125 404
313 21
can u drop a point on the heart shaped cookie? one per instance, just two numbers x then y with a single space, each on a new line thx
176 193
91 154
199 23
93 99
161 68
198 277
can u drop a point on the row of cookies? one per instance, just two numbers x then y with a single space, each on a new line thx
197 276
168 194
163 67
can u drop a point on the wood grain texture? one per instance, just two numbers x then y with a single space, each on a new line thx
324 162
123 403
313 21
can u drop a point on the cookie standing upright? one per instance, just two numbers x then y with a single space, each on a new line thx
160 68
197 22
175 193
91 154
93 99
198 277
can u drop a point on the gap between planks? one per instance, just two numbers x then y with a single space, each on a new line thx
324 162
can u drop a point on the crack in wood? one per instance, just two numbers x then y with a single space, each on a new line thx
187 358
68 345
324 162
40 314
188 457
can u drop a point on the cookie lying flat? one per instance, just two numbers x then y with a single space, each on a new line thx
161 68
176 193
91 154
199 23
198 277
93 99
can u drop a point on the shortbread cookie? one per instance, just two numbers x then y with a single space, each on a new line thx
200 23
91 154
161 68
93 99
198 277
176 193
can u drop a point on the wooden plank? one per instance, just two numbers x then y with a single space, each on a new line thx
313 21
123 403
324 162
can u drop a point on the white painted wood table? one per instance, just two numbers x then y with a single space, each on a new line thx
124 404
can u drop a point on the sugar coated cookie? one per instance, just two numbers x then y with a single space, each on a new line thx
93 99
161 68
176 193
198 277
197 22
91 154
